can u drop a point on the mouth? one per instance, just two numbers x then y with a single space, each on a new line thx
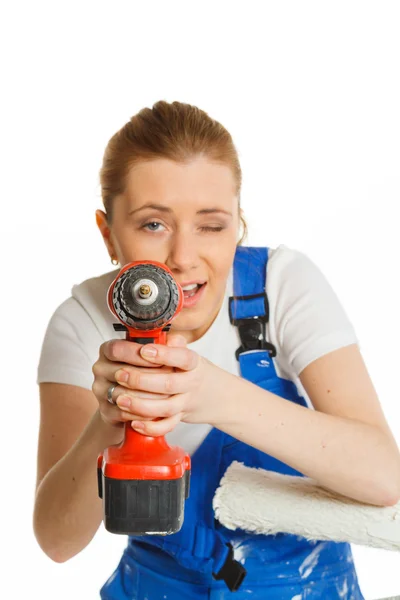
191 290
193 295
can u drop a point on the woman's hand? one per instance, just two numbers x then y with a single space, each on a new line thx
187 388
113 355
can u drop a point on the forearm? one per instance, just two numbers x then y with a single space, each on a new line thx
343 455
67 510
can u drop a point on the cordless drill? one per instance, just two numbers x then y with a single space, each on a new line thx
143 481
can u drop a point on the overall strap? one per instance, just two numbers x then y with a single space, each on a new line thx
249 311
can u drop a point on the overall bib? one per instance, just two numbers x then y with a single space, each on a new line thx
206 560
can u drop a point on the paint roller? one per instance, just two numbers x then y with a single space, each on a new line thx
267 502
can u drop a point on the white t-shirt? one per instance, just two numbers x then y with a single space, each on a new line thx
306 321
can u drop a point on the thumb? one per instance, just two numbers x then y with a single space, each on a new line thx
176 341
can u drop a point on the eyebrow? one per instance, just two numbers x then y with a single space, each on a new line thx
161 207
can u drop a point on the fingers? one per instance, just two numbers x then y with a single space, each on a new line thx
125 416
150 407
167 359
157 417
113 356
159 383
157 428
176 340
127 351
124 351
100 389
105 370
114 414
147 399
123 408
180 357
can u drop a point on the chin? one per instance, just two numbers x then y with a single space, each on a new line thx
186 322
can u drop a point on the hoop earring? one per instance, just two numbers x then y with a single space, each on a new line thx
114 259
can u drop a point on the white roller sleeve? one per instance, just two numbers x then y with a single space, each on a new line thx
267 502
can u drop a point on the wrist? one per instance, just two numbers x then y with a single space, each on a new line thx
107 433
225 398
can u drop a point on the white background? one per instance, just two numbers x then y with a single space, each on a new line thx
310 93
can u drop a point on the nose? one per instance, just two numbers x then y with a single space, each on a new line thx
183 253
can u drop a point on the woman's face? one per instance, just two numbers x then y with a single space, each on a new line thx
187 217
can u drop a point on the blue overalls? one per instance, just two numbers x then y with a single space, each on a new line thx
206 560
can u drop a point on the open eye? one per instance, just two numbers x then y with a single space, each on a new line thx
151 223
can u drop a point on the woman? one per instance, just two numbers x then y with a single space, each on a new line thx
171 184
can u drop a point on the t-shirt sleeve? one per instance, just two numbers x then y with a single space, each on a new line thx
310 320
70 347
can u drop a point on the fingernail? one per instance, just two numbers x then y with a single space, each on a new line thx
137 425
148 351
125 402
122 376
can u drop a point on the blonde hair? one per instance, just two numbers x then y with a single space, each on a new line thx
176 131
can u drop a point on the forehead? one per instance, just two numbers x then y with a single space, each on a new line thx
199 180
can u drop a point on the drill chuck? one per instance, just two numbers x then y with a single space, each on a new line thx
145 297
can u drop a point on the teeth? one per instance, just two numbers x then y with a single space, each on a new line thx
190 287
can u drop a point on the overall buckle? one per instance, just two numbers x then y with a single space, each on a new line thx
251 329
232 572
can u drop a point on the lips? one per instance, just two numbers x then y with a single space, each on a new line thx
190 298
192 291
186 283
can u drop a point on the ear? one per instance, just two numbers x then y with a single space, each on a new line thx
101 220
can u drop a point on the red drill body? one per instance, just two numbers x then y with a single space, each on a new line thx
143 481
